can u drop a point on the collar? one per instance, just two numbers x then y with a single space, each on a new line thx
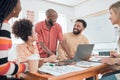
45 26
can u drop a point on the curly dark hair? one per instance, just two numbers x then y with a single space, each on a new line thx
22 29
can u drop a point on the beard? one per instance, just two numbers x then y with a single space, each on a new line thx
50 22
76 31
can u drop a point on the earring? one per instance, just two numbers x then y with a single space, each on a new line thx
14 11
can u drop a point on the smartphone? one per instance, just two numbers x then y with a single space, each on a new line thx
104 53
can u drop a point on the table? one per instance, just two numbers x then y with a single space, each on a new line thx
79 75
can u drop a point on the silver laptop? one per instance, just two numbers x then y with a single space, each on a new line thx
83 52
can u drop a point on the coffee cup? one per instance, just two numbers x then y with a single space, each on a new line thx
33 62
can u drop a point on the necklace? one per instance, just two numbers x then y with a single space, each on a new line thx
30 49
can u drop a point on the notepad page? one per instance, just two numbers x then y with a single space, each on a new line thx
59 70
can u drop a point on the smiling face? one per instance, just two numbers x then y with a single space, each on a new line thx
52 18
78 28
16 10
114 10
114 17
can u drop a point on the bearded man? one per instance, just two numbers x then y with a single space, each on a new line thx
72 39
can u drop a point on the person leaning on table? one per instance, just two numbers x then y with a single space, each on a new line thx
114 60
72 40
8 10
49 33
24 30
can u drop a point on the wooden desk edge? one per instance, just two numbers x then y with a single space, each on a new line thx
50 77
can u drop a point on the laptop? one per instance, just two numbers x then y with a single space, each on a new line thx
83 52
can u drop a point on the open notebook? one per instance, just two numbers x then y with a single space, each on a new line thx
59 70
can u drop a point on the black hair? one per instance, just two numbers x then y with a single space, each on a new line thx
50 11
22 29
82 21
6 6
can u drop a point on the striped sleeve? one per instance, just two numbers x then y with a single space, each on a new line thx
5 40
12 68
8 68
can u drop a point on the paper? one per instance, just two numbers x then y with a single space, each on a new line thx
87 64
96 59
59 70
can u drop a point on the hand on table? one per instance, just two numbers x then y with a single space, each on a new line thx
114 54
110 61
51 58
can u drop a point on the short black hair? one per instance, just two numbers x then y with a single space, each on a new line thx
22 29
6 6
82 21
49 11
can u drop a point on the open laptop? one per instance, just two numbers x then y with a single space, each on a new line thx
83 52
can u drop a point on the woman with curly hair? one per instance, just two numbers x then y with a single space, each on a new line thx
24 29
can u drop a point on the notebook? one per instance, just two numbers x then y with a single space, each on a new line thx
83 52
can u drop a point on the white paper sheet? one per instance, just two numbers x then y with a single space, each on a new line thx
59 70
87 64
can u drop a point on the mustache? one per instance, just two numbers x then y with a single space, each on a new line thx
75 29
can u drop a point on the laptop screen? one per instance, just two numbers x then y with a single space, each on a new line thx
83 52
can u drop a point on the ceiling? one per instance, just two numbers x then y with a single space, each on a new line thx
70 3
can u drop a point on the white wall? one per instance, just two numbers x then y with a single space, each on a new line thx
86 8
106 35
37 5
92 6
